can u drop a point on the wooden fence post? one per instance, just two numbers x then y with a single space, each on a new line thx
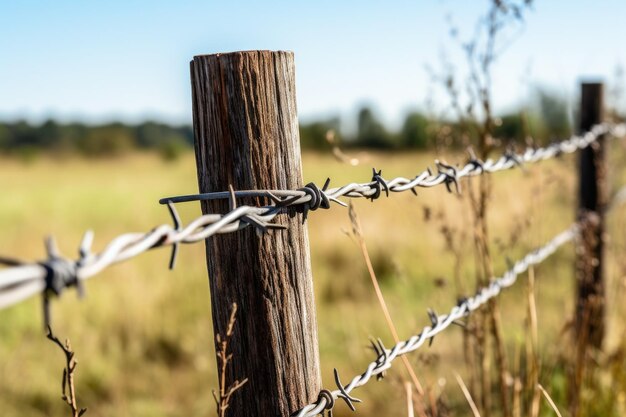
246 135
592 204
593 199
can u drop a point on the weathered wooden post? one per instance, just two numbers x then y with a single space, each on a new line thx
593 200
592 204
246 135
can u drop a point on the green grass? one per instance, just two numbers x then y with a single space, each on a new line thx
143 335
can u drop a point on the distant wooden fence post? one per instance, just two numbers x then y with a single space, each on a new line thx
593 199
592 203
246 135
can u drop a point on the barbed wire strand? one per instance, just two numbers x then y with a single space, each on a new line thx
464 308
20 282
326 398
54 274
446 174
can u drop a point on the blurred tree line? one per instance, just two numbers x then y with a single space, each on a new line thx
111 139
547 119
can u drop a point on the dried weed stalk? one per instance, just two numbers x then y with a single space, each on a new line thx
532 346
467 395
472 102
222 399
549 399
358 233
67 384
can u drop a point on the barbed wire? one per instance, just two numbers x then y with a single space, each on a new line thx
311 197
57 273
51 276
465 306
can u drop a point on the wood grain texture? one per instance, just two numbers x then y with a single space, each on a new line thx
246 135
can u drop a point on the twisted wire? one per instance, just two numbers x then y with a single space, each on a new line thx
22 280
447 175
465 307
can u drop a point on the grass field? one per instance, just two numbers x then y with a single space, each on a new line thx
143 335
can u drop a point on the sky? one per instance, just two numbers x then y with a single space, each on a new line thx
129 60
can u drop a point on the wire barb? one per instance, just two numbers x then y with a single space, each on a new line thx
343 394
378 184
450 176
434 320
60 273
177 227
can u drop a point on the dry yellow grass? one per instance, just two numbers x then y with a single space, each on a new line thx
143 333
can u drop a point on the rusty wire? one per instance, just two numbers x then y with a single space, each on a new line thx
385 356
21 280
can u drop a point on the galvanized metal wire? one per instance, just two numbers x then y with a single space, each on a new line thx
385 357
54 274
312 197
22 280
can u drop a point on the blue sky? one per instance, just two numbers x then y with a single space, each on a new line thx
129 60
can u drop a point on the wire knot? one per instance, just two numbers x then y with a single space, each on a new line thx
381 356
330 400
434 320
61 273
474 161
558 150
319 199
510 155
378 185
450 174
462 303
